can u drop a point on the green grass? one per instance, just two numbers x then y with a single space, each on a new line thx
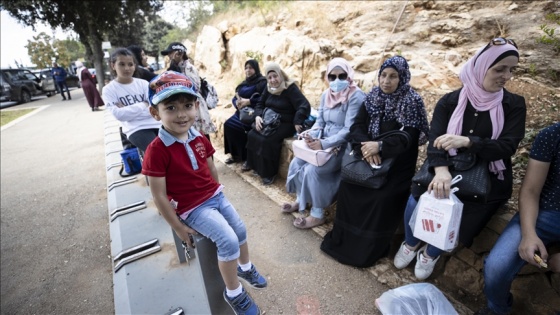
8 115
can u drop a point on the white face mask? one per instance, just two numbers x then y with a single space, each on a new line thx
338 85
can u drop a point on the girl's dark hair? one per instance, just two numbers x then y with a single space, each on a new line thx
137 52
120 52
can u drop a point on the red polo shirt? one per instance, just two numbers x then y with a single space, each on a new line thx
187 185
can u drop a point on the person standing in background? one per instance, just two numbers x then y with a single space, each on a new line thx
59 75
88 86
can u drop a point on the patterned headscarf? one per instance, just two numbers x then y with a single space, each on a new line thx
273 66
333 99
404 105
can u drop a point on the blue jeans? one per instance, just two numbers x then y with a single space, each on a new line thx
412 241
61 85
503 263
217 220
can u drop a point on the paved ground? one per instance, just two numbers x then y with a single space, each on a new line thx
55 242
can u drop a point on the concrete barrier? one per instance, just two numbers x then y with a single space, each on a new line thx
150 272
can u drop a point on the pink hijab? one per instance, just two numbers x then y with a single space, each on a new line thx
333 99
472 77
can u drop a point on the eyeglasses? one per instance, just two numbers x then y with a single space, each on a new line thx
502 41
498 41
341 76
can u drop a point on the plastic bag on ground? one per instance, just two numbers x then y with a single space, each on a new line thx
414 299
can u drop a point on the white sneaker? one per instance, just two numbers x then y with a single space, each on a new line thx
424 266
403 257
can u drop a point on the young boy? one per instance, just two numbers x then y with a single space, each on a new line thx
186 190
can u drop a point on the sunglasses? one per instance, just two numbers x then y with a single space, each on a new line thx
341 76
498 41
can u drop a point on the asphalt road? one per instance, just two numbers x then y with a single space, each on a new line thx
55 242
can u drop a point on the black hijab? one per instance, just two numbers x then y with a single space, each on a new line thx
255 78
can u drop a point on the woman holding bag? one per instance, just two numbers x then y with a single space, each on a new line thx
481 118
247 93
318 185
366 218
284 97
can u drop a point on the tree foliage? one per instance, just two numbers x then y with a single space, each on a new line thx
93 21
40 50
43 50
156 32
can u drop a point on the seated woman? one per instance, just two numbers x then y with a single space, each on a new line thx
285 98
247 93
318 185
367 218
88 86
481 118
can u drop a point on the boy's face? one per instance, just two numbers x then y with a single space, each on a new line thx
177 116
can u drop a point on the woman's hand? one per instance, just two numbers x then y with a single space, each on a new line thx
313 144
258 123
449 141
441 184
370 152
299 128
242 102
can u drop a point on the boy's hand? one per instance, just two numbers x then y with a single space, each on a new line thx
184 234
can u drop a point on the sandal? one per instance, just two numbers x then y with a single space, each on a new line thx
288 207
303 223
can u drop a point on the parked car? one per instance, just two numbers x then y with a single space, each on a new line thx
22 85
48 86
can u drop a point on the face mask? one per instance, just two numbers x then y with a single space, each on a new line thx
338 85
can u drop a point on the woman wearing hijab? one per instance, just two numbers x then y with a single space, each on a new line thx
141 71
88 86
247 93
318 185
284 97
480 118
367 218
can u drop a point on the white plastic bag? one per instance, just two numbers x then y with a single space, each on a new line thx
414 299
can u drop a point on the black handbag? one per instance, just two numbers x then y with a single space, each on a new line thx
475 185
247 115
271 122
355 170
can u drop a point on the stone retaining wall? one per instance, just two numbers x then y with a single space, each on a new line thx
457 274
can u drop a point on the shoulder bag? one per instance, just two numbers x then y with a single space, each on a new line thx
315 157
357 171
247 115
474 186
271 122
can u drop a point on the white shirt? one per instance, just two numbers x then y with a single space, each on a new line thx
134 115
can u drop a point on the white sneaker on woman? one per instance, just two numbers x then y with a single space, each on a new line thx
424 265
404 256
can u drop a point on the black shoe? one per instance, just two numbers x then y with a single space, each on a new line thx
268 180
231 161
245 167
64 99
